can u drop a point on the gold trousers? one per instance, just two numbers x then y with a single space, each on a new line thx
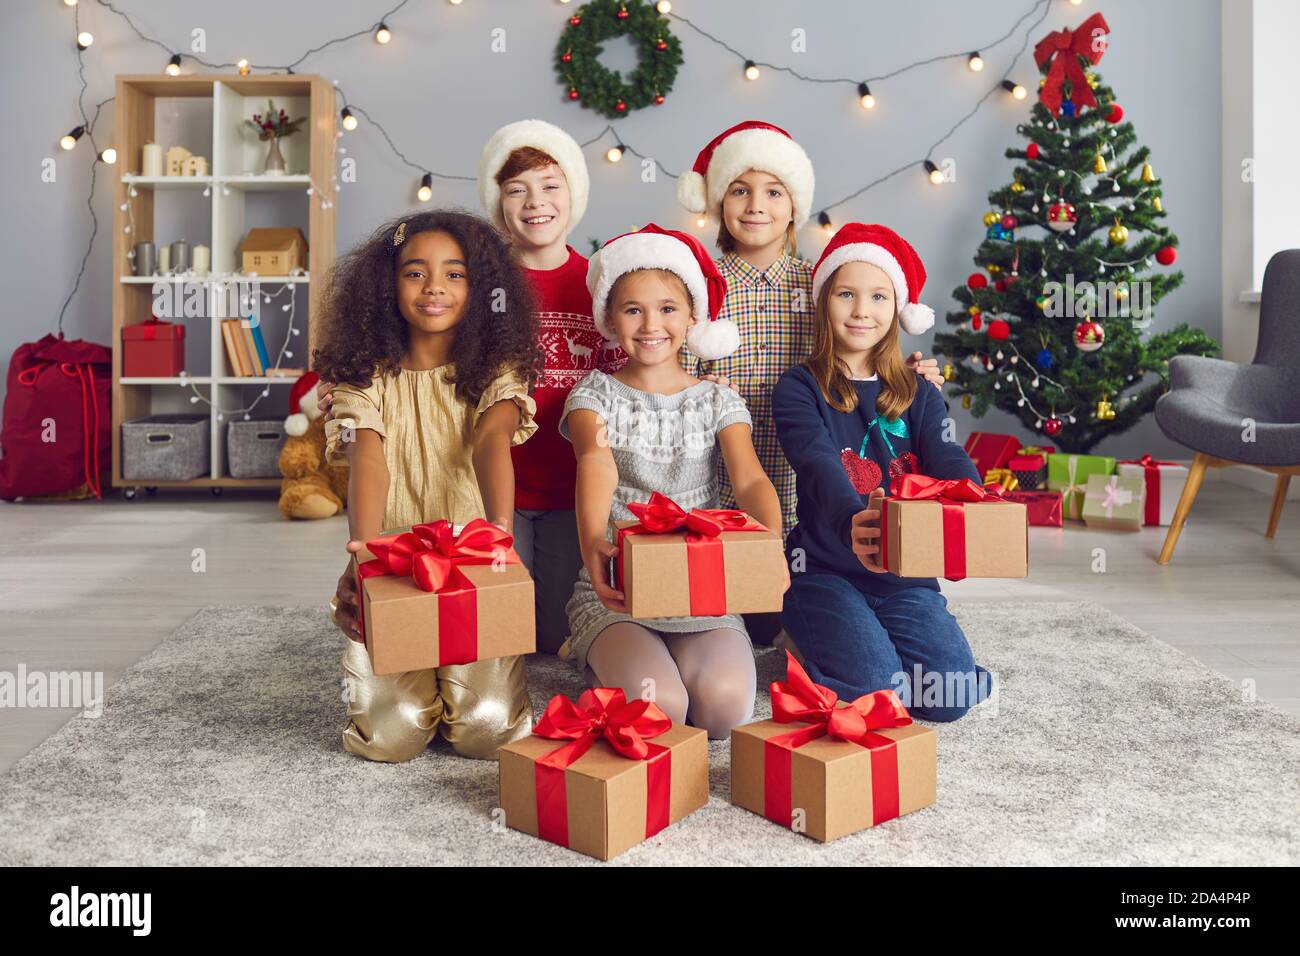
477 707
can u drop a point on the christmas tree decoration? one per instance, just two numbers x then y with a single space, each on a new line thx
1099 164
1088 335
1071 243
1009 221
948 372
990 218
1104 410
598 88
1148 174
976 280
1156 205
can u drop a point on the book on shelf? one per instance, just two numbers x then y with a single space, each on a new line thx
285 372
254 360
262 354
232 354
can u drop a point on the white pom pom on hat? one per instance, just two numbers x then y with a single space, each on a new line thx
552 141
894 255
652 247
752 144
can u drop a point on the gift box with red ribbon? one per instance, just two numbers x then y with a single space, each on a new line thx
621 772
954 529
991 450
153 349
699 563
430 597
1164 482
1042 508
827 768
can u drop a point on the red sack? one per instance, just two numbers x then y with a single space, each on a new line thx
61 388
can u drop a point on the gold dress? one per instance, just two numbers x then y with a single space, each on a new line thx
427 434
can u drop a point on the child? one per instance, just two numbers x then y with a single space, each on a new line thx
650 427
533 184
431 392
758 183
849 418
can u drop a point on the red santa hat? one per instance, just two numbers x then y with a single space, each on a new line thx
880 246
299 418
681 254
749 145
552 141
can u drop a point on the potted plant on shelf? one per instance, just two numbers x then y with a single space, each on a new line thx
271 126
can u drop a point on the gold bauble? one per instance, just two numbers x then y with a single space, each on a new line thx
948 371
973 310
1104 411
1118 234
992 268
1155 204
965 401
1121 293
990 218
1016 187
1093 81
1099 164
1148 174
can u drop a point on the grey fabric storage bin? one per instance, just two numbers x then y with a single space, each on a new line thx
166 448
253 448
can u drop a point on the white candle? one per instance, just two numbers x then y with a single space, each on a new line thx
164 259
200 260
151 160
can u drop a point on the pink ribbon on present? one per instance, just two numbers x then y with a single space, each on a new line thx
1151 477
1113 497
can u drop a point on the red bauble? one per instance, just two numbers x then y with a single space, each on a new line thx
1031 151
1000 285
659 99
1009 221
999 329
1116 113
661 45
620 106
622 13
1167 255
573 94
566 57
574 21
976 322
976 280
1052 426
1088 335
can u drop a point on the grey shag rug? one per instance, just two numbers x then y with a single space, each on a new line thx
1102 746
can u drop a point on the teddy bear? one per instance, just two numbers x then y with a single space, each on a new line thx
311 488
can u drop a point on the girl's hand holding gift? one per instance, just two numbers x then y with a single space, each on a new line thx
865 533
345 599
598 557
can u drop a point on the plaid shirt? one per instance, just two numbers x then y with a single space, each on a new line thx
774 311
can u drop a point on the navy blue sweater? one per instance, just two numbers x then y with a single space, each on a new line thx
814 437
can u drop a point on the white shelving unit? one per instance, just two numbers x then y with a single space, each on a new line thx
234 182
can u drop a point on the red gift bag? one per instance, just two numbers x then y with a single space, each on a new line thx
56 432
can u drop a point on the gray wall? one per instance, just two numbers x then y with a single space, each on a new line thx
440 92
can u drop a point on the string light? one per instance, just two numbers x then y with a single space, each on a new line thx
425 192
751 70
173 67
865 98
663 6
824 220
349 120
69 140
934 172
108 156
1015 89
383 34
615 153
242 66
975 63
84 39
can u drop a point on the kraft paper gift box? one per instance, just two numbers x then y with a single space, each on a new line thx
1042 508
430 597
991 450
1069 475
952 529
827 768
1164 481
1114 501
700 563
603 775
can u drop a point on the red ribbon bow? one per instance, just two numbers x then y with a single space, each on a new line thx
798 698
704 553
1063 49
1151 478
432 555
601 712
952 494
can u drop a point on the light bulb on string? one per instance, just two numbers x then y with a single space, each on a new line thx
865 98
108 156
173 67
751 70
425 192
975 63
1015 89
383 34
243 67
84 39
69 140
615 153
69 3
824 220
934 172
348 119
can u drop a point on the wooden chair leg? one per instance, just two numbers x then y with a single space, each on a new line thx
1279 499
1195 475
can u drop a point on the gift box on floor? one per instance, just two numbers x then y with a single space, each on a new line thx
1114 501
153 349
430 597
828 768
1164 482
1030 471
625 773
991 450
1069 475
952 529
705 562
1000 481
1042 508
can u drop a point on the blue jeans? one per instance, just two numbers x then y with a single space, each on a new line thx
855 643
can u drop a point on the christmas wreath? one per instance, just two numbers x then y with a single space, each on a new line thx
592 85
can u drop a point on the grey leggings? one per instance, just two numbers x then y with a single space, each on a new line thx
706 679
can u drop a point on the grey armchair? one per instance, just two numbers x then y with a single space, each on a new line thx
1232 414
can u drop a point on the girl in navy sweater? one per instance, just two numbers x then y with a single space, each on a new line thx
849 419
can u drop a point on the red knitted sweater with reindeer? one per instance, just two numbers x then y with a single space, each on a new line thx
545 469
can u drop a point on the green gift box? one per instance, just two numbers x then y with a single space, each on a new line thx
1069 475
1114 501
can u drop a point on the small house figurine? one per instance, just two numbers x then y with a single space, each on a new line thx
274 252
175 161
195 166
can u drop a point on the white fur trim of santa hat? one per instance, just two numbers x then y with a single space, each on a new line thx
755 147
550 139
914 317
711 340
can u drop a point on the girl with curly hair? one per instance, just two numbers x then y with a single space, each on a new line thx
430 340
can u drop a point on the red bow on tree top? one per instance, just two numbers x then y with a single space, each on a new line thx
601 712
661 515
798 698
1063 49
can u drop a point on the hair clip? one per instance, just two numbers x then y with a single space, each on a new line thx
400 235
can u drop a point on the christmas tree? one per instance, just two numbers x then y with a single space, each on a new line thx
1052 327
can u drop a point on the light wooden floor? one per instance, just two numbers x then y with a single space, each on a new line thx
94 587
